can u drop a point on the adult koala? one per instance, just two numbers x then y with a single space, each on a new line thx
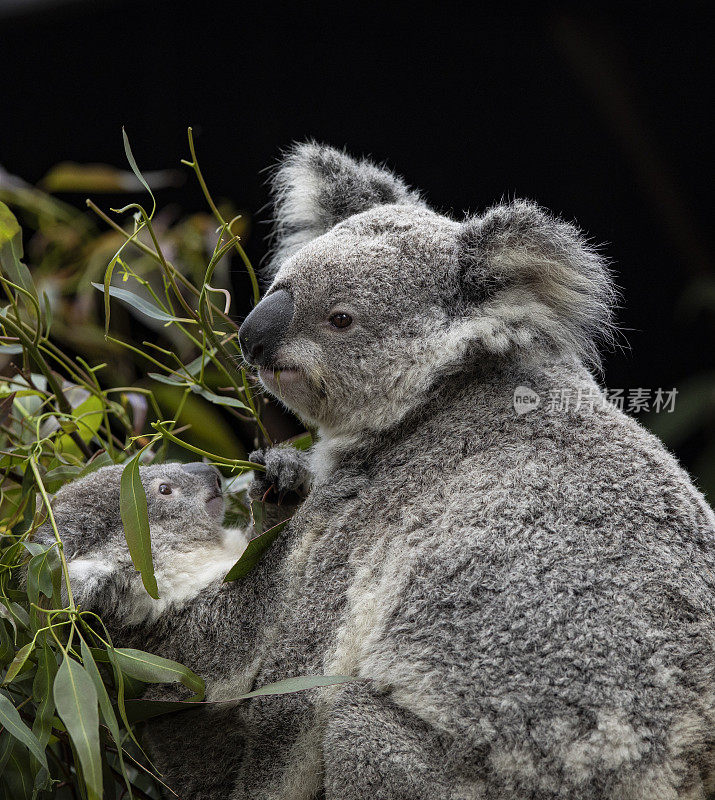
530 596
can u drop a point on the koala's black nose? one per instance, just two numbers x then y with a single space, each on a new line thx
262 331
205 471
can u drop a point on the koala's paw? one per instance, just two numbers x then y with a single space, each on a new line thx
287 476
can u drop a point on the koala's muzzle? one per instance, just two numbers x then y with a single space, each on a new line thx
262 331
211 477
208 474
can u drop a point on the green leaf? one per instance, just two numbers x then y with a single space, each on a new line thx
42 692
59 476
71 177
194 367
136 302
17 776
220 400
47 308
135 518
11 251
149 668
141 710
304 441
41 573
10 720
105 705
88 417
76 702
135 169
166 379
298 685
10 349
6 745
254 552
6 649
98 460
6 407
18 662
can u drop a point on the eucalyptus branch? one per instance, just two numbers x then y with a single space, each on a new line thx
154 255
53 525
194 164
169 271
62 402
227 462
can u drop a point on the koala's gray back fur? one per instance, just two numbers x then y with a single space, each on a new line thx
533 607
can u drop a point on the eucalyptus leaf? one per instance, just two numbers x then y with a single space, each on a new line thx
42 692
10 349
254 552
105 705
10 720
220 400
299 684
87 418
59 476
17 776
135 168
6 407
149 668
18 662
6 744
303 441
137 303
76 701
194 367
141 710
11 251
135 518
166 379
40 573
98 460
7 650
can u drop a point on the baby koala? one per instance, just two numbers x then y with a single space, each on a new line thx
198 619
190 547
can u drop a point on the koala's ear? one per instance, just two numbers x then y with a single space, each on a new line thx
531 280
315 186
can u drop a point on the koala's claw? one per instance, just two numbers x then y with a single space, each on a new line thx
287 474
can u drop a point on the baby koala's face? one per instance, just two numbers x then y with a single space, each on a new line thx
184 503
189 545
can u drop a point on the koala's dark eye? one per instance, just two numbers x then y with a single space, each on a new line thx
341 320
164 488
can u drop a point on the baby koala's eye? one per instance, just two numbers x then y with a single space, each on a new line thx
340 320
164 488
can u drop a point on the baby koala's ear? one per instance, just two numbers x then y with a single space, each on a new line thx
92 575
92 580
530 280
315 187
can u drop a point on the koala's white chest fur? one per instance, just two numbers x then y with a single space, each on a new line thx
182 575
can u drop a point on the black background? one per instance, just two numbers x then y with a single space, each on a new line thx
605 118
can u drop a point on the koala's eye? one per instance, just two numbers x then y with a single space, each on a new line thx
341 320
164 488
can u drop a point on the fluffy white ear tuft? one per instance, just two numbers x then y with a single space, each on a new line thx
534 281
89 576
316 186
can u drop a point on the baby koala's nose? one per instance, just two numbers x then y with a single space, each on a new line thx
209 473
